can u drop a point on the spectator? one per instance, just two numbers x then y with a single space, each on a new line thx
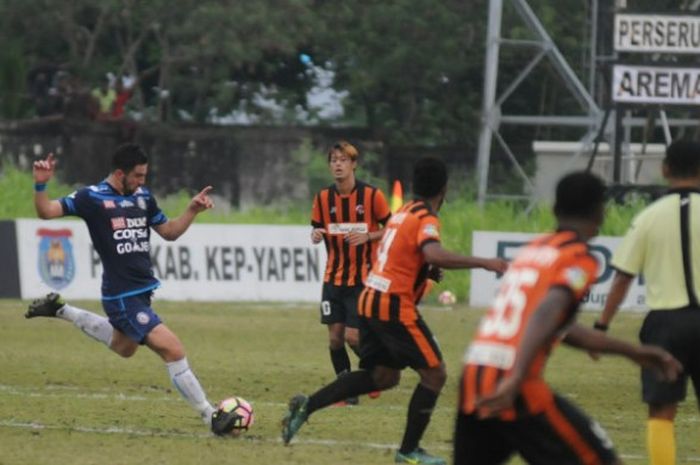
104 97
124 87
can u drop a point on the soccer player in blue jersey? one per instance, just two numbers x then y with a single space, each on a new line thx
119 213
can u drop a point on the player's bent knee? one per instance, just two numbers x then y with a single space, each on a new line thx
386 379
335 342
434 378
125 351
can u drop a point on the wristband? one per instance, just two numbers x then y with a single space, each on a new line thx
600 326
39 186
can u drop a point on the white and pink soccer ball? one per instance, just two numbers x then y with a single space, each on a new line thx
447 298
241 407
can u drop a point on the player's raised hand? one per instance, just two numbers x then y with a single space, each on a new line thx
202 201
660 361
43 170
317 235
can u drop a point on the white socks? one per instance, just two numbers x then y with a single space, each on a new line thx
95 326
186 382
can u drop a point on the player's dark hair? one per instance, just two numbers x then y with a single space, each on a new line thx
429 177
346 148
579 195
127 156
683 159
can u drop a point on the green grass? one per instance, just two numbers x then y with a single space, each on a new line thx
65 399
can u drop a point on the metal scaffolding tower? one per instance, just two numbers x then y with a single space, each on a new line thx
599 118
492 117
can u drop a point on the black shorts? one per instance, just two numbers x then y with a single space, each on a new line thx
677 331
396 344
339 304
562 435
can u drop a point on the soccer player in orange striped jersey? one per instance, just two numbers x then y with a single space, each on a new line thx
505 405
393 335
347 217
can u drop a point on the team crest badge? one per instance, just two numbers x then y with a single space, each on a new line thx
360 209
56 260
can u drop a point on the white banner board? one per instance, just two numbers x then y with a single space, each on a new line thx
484 285
209 262
657 33
656 84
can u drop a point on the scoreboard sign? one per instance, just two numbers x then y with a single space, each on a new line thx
656 84
657 33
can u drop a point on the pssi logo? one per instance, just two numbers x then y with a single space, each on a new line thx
56 261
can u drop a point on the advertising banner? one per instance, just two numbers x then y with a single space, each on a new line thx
656 84
209 262
657 33
484 285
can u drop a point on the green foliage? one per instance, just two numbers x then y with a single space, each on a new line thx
412 66
17 189
13 75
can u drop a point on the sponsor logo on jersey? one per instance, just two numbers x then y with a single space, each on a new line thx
118 223
576 277
431 230
126 203
56 261
143 318
136 222
377 282
345 228
141 203
490 354
109 204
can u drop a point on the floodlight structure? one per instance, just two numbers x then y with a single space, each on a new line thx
599 118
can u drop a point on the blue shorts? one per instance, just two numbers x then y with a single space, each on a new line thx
132 315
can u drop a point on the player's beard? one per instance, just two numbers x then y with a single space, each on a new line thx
125 189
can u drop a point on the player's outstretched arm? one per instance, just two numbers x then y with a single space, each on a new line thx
541 328
618 290
174 228
42 171
435 255
647 356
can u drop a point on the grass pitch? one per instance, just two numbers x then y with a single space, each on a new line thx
66 399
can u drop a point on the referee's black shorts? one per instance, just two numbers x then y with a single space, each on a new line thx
677 331
561 435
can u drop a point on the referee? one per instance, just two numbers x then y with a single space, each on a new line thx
663 244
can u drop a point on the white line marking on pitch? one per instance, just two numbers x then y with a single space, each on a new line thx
317 442
141 432
53 391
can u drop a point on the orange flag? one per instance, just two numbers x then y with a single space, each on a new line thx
396 196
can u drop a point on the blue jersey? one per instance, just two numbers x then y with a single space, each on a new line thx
120 230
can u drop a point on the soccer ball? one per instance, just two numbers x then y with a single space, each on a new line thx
447 298
240 407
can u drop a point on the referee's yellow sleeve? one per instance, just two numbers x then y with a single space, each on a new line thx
629 255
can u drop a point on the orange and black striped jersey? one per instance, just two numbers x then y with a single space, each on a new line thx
559 259
399 272
363 210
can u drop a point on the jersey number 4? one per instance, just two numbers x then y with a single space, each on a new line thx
384 246
506 314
